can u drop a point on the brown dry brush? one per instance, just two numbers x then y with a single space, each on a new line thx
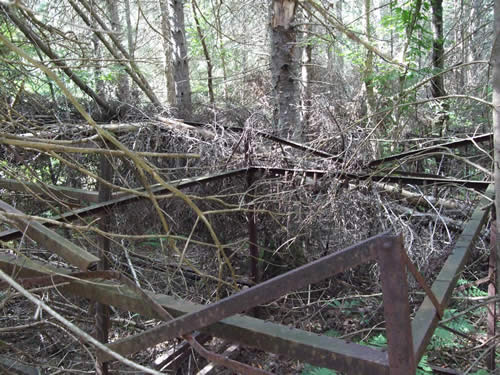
298 220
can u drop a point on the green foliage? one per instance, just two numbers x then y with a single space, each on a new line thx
313 370
378 341
405 16
154 243
443 338
472 290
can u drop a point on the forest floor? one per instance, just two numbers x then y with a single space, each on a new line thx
299 220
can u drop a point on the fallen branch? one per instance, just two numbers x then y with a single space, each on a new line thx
155 306
416 199
179 125
39 146
77 331
54 242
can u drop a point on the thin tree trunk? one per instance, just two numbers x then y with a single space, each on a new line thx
283 40
495 64
335 58
205 52
410 29
180 60
371 101
167 51
123 90
306 73
133 70
37 42
130 30
437 82
220 46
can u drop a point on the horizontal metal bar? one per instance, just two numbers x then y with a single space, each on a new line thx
426 319
59 192
94 209
292 343
244 300
52 241
13 234
450 145
274 138
415 180
23 267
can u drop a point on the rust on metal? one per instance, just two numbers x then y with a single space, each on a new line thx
51 240
492 308
13 234
252 235
75 196
421 281
396 307
436 148
98 208
293 343
267 291
426 318
405 179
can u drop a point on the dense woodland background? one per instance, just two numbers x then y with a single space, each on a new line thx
200 87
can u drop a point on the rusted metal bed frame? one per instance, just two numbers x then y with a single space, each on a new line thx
406 340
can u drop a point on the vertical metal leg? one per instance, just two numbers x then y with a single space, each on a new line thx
396 306
491 326
252 237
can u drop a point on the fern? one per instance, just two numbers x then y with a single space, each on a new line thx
312 370
443 338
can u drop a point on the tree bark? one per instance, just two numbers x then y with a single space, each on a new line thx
437 82
495 64
180 60
167 51
123 89
371 101
306 78
133 70
205 52
283 40
130 30
38 43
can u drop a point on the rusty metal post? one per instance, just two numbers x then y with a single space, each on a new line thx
252 235
490 358
102 314
396 306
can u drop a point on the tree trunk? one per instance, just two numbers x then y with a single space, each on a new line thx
205 52
167 51
123 87
283 40
371 101
306 78
130 30
221 47
116 49
39 43
437 82
180 60
495 64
